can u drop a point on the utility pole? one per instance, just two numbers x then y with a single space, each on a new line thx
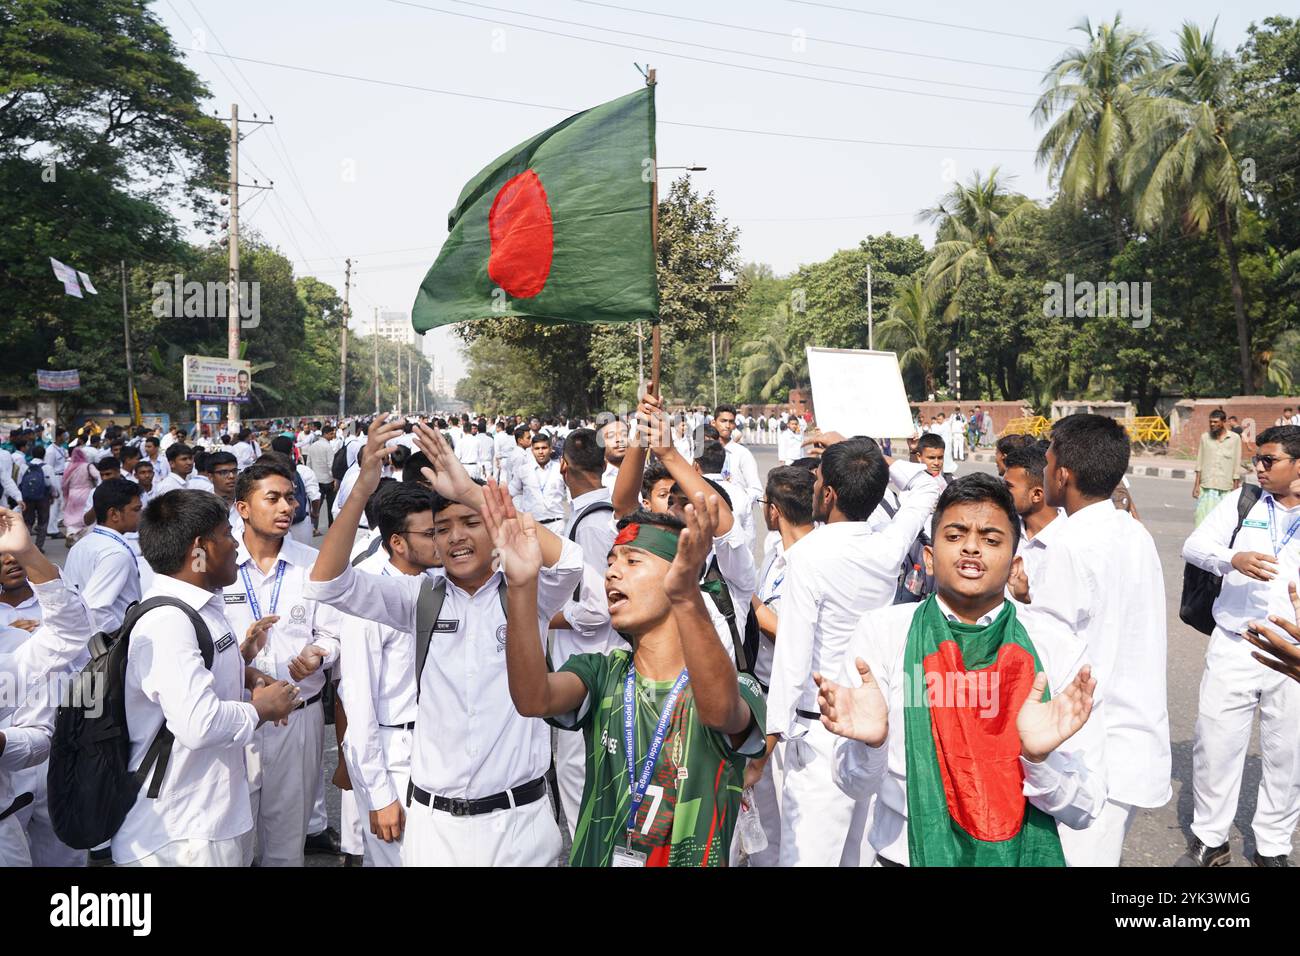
130 374
232 296
343 346
871 324
232 292
397 394
376 344
713 337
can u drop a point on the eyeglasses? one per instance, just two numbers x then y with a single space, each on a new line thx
1268 461
225 473
428 534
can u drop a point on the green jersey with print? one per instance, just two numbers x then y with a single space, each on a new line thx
691 803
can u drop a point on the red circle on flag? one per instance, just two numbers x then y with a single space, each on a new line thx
523 239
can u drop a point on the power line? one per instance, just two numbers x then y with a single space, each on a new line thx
932 23
570 109
829 42
761 56
723 63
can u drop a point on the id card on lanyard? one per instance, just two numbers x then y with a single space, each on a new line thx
639 783
104 533
265 659
1272 529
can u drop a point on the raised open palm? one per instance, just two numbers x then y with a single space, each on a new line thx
1045 725
858 713
514 536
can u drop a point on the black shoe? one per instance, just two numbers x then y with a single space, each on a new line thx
103 856
1258 860
1198 854
352 859
327 841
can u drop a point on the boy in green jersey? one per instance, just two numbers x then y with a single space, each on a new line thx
672 796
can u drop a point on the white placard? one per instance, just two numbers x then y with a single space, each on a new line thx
858 392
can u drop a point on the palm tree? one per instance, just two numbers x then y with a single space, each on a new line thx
774 361
977 223
913 331
1185 167
1100 92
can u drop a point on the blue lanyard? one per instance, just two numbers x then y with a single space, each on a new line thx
123 544
254 605
1272 529
639 784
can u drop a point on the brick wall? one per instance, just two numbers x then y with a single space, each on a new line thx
1002 412
1191 418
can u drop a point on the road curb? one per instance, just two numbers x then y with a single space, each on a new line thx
1183 472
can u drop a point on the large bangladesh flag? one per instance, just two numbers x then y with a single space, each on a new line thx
557 229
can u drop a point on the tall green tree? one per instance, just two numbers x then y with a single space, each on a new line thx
1192 148
913 330
1095 101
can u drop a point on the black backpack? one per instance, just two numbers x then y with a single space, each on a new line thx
339 466
90 788
592 508
33 486
1200 587
715 586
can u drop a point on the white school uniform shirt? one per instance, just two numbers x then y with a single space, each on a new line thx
310 484
302 620
502 442
486 449
197 482
1069 785
173 482
56 458
245 454
741 469
470 742
1102 577
161 468
57 646
771 580
789 446
1033 551
538 490
742 505
610 475
7 482
204 795
101 568
588 615
1242 599
835 575
377 690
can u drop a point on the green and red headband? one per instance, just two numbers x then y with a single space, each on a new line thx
657 540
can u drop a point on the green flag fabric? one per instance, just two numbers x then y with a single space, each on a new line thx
965 800
555 230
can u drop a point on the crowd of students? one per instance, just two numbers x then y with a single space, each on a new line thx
516 626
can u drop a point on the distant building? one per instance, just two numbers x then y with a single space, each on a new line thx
391 327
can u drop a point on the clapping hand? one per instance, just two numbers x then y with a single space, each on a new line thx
307 662
693 544
1280 654
446 475
514 536
256 638
856 713
1045 725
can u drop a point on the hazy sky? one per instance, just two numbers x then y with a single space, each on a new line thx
875 125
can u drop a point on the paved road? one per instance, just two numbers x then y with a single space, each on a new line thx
1158 836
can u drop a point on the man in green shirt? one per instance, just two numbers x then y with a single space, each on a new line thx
1218 465
669 724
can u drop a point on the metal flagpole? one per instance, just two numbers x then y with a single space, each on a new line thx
654 244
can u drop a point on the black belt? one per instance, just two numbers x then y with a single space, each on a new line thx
548 520
523 795
309 701
810 715
409 725
883 861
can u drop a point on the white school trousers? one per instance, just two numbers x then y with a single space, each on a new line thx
396 745
520 836
1233 687
234 852
820 824
290 765
1102 843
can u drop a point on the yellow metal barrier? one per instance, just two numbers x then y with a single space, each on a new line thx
1035 425
1147 429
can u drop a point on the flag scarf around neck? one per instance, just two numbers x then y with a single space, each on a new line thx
965 800
555 230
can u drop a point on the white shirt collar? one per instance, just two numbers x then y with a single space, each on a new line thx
191 594
290 553
590 497
100 529
984 621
